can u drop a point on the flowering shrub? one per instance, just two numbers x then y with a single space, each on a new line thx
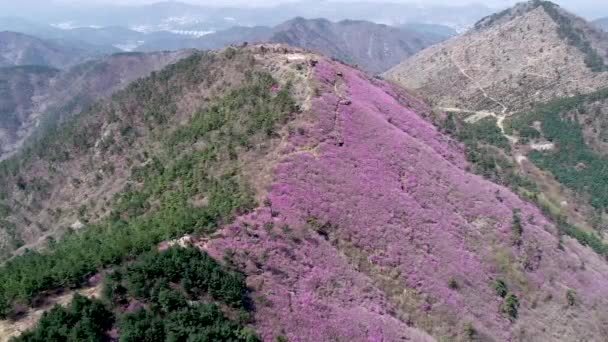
384 195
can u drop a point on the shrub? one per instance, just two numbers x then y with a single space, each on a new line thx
470 332
571 297
510 306
500 287
453 284
517 227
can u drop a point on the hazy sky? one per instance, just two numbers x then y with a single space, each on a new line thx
592 8
587 8
491 3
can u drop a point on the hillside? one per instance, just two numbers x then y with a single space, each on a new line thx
528 54
373 47
34 97
19 86
19 49
331 208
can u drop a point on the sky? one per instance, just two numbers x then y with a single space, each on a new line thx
489 3
588 8
591 9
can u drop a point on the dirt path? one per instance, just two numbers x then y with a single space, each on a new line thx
481 114
11 328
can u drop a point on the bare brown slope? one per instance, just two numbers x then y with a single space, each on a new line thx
510 61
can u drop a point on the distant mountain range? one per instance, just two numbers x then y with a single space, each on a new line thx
20 49
177 16
374 47
38 97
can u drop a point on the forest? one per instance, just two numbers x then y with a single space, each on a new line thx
161 208
158 297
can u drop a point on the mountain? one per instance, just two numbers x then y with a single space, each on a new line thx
216 40
318 202
601 23
101 40
178 16
524 91
20 49
35 97
374 47
528 54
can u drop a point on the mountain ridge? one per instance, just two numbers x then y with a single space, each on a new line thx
349 214
46 102
374 47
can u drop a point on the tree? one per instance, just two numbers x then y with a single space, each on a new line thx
142 326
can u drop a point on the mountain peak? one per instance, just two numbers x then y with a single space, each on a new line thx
530 53
519 9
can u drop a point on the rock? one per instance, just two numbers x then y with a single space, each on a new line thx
77 225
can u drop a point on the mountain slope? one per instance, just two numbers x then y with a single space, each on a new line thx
349 215
20 49
529 54
37 97
19 87
509 69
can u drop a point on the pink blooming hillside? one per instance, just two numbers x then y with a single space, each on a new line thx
374 231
